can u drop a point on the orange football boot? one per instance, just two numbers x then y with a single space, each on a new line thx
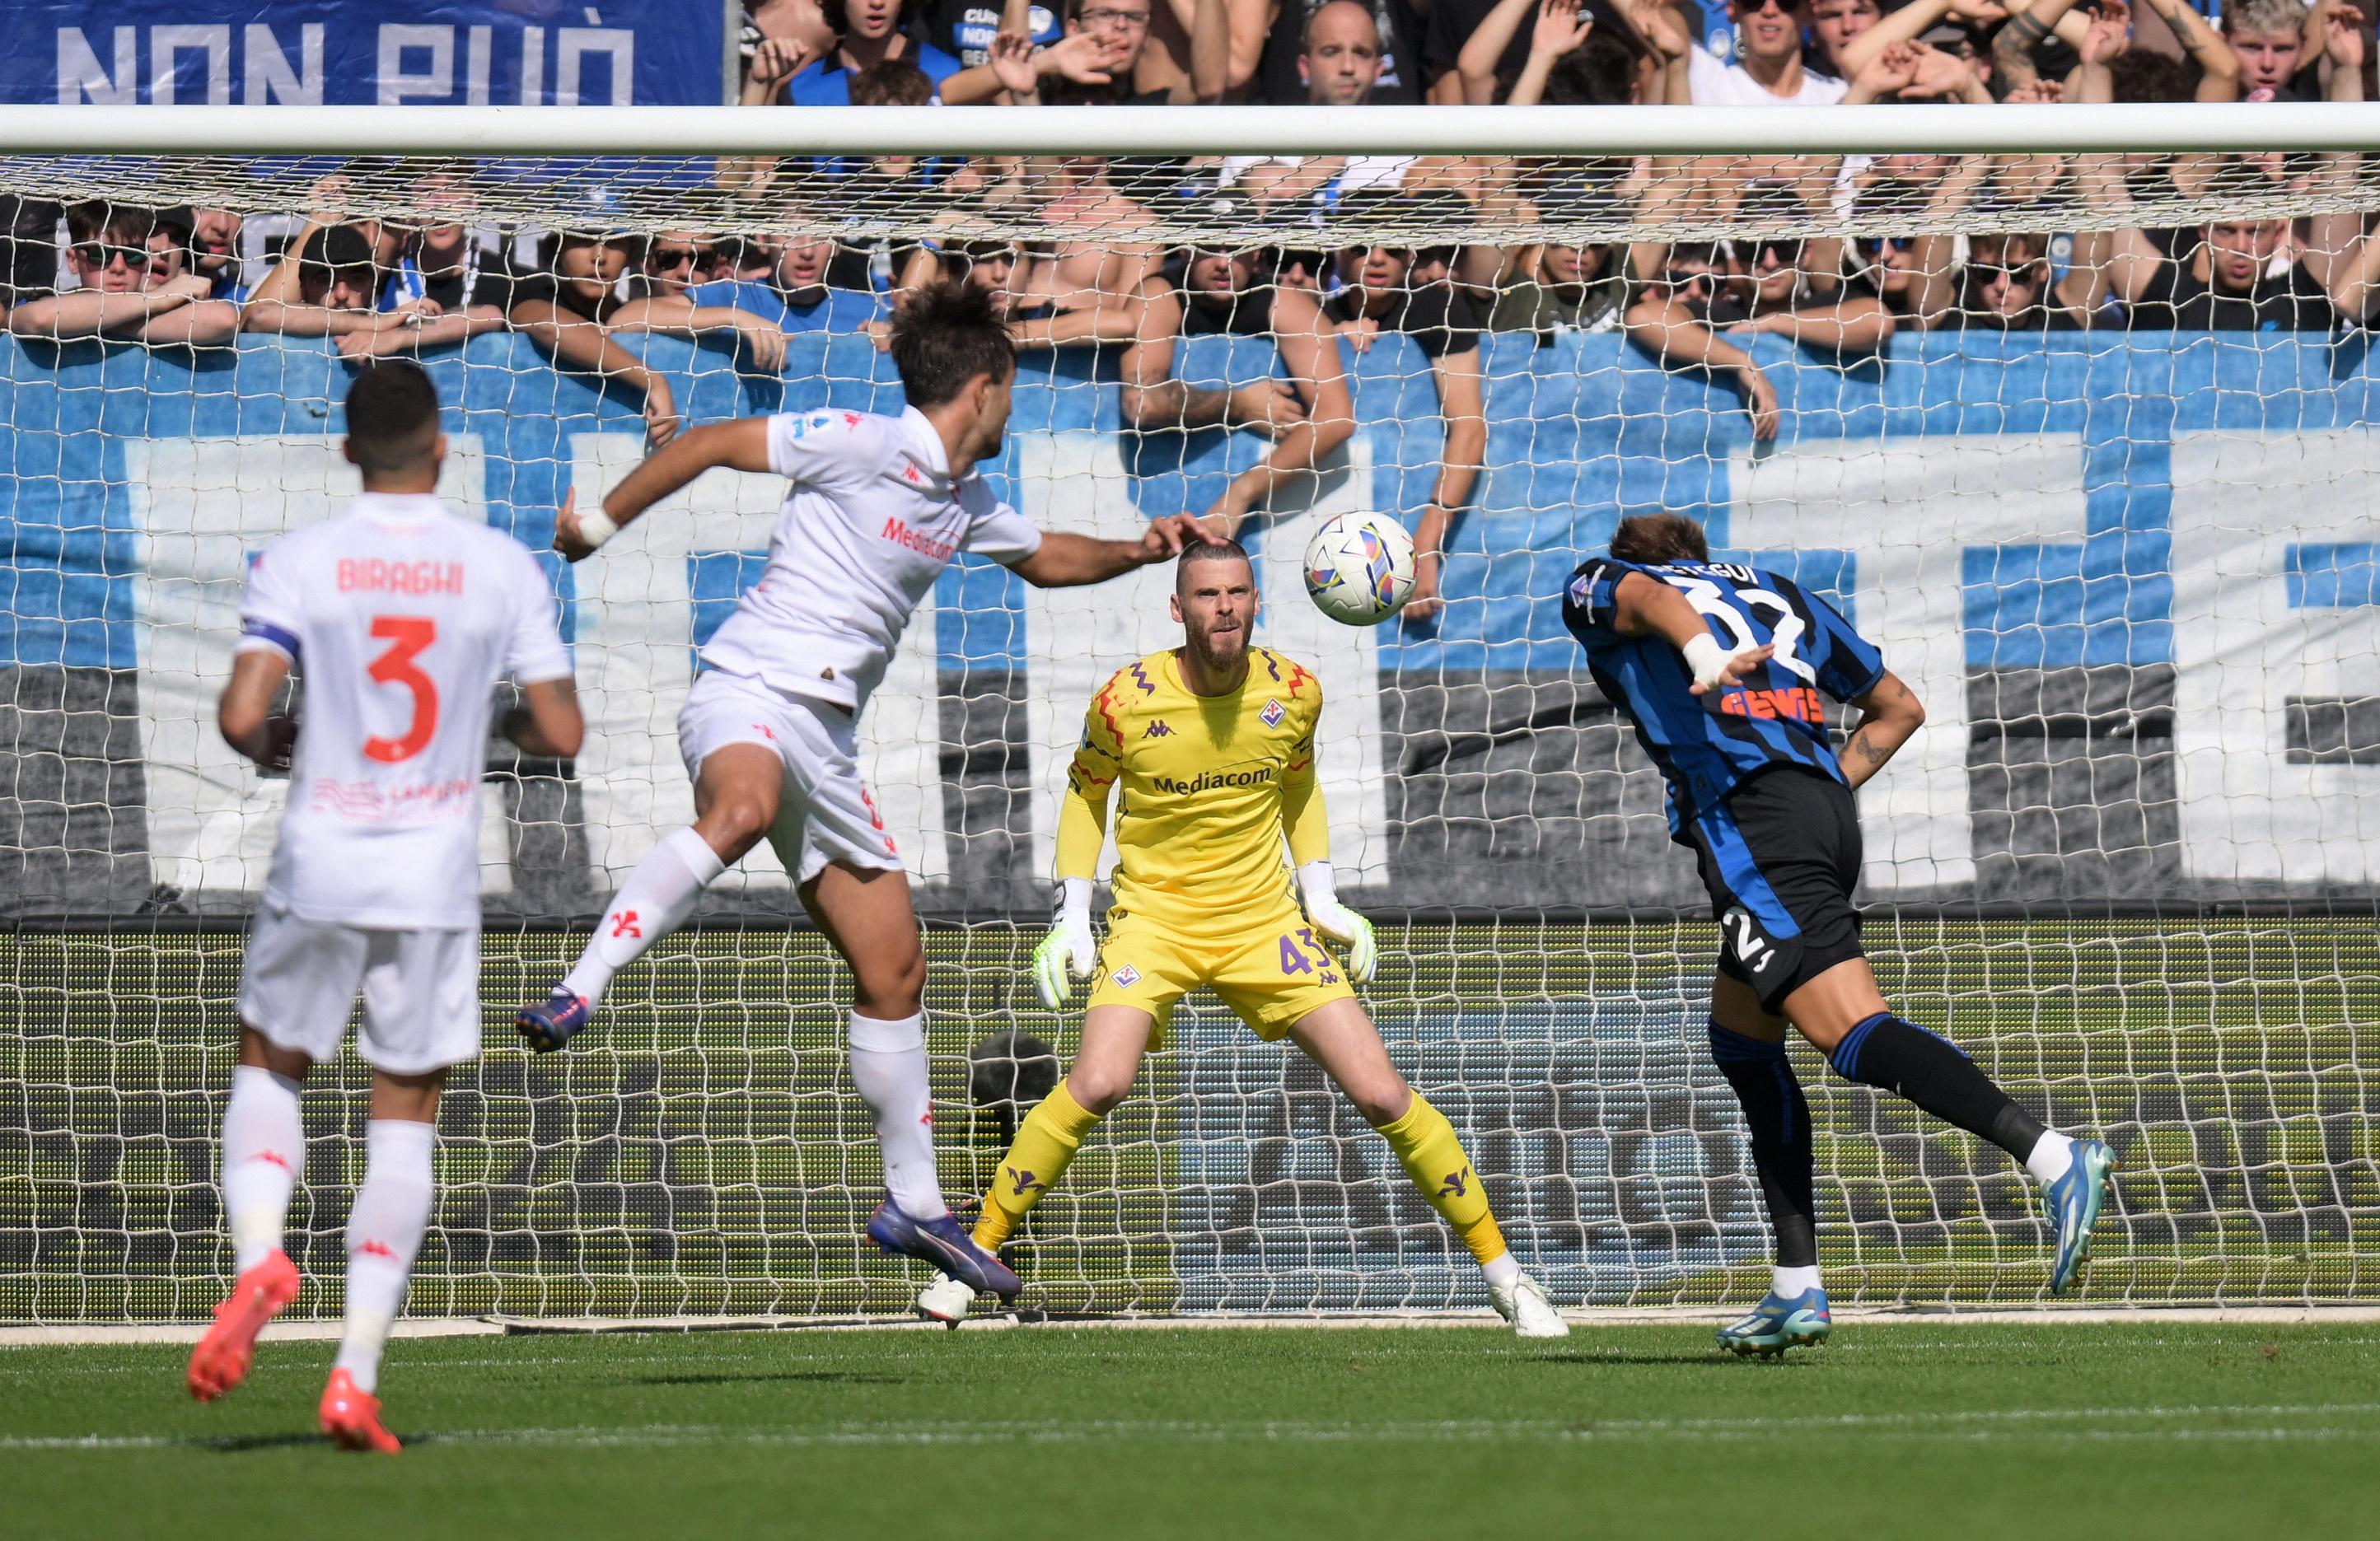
351 1418
222 1356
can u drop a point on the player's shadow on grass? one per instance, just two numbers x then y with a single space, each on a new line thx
1702 1358
839 1378
246 1444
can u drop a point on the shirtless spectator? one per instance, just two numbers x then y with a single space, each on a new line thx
1024 286
1386 290
1306 410
132 286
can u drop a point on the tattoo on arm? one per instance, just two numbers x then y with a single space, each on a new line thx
1868 751
2026 31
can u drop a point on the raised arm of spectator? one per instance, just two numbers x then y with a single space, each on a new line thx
2030 22
2218 78
1462 402
1152 400
1658 25
1219 64
676 316
2342 44
1661 325
1911 22
585 344
2337 241
2107 39
1483 50
1309 351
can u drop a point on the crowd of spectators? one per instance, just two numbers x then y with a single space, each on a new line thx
2103 255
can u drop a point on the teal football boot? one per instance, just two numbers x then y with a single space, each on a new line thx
2073 1203
1777 1325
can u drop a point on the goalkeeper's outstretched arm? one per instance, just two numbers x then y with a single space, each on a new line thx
741 446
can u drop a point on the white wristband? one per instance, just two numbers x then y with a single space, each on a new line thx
595 527
1706 660
1318 883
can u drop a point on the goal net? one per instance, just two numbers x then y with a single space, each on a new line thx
2075 422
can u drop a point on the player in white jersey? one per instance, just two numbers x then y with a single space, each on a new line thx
402 616
879 507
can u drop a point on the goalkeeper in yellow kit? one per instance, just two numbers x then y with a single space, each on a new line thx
1211 745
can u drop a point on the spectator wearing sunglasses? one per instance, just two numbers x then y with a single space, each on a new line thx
1769 70
131 287
673 263
2005 284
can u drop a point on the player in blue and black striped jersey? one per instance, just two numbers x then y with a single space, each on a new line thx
1725 671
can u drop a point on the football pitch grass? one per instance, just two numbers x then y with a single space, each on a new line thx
2153 1428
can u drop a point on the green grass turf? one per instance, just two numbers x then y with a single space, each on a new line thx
2154 1429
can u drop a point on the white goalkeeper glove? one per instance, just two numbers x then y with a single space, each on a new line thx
1069 946
1319 888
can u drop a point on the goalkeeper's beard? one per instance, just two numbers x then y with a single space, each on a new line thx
1224 656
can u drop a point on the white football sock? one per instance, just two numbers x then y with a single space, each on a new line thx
263 1156
385 1231
654 902
1505 1269
2052 1154
1793 1283
887 1066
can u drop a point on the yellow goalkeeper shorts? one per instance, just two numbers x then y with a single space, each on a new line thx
1271 974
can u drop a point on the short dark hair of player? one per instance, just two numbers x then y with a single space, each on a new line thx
1224 550
1652 539
943 336
392 419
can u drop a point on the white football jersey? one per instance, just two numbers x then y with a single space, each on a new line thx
400 618
873 518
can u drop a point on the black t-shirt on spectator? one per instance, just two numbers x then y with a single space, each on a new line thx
1400 81
1440 318
2179 300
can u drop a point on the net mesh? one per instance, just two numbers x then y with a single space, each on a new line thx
2132 864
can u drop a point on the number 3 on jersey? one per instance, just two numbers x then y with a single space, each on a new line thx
408 635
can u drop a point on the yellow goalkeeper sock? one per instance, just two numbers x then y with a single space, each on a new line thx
1044 1144
1426 1147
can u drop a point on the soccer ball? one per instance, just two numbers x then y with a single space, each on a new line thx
1359 568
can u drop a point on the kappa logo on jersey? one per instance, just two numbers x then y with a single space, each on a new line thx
1126 977
1158 730
765 730
374 1249
625 925
1272 713
274 1156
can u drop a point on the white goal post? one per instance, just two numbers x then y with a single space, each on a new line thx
2132 864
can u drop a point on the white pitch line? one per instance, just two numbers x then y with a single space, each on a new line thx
2194 1423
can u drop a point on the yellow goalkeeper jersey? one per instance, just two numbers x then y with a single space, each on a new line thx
1208 787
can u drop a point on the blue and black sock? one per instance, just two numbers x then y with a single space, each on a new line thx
1778 1118
1900 1057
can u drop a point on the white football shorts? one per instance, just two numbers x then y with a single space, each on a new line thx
824 814
300 979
